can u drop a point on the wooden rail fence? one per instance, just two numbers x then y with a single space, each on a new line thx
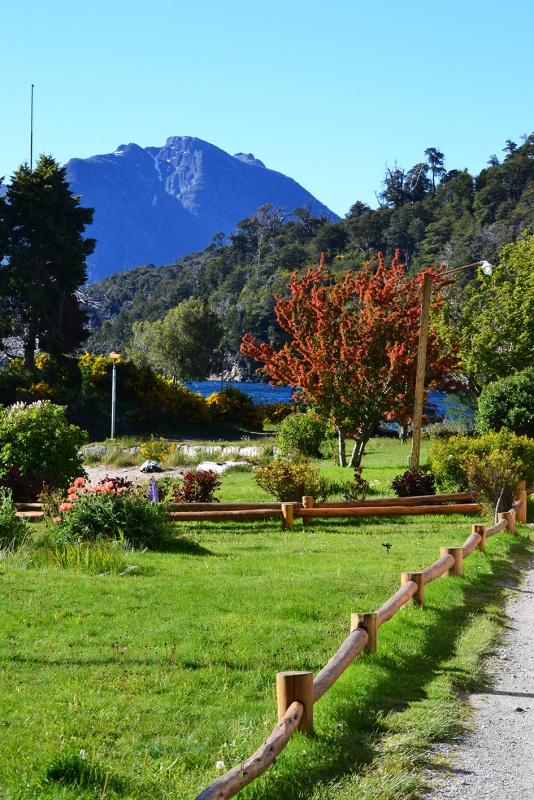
307 510
297 692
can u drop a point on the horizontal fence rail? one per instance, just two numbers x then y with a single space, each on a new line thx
363 636
454 503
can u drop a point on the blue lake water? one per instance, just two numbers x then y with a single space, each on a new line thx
262 393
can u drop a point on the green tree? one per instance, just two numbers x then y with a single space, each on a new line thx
496 318
185 345
42 254
508 403
435 164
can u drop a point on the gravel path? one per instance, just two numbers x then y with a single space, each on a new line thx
496 759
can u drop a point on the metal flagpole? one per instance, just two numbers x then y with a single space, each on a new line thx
31 132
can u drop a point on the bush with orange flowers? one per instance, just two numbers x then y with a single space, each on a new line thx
110 510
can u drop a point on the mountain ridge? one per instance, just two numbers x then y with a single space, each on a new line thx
156 204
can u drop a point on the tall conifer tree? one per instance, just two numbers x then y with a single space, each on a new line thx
43 260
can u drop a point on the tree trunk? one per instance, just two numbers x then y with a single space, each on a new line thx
359 445
341 444
357 453
30 344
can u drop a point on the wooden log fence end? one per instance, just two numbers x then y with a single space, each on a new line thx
522 497
419 579
509 518
307 502
369 623
458 555
481 530
296 687
288 516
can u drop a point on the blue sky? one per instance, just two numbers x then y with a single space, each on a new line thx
326 92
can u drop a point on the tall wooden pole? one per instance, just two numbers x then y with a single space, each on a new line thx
420 373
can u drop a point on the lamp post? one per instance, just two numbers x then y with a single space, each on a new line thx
114 356
421 357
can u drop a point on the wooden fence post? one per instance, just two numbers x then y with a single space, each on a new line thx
509 516
419 579
458 554
522 495
307 502
291 686
287 516
369 623
481 529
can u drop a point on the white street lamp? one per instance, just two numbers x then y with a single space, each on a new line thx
487 269
114 356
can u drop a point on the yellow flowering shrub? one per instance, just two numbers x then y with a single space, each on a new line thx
94 369
155 396
235 406
157 449
39 391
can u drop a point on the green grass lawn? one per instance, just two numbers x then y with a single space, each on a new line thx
155 676
385 458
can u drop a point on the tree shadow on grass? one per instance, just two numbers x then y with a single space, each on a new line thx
352 736
181 544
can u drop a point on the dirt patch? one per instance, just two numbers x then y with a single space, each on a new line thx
96 474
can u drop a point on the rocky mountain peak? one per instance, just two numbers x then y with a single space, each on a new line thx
155 204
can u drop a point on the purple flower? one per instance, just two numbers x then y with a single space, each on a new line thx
153 494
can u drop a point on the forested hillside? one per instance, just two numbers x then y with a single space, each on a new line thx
432 214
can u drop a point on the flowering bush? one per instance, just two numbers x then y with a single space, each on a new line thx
197 487
235 406
111 511
276 412
94 369
157 449
156 396
290 482
37 439
447 456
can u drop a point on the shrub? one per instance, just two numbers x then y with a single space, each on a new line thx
157 449
276 412
302 434
496 477
12 528
414 482
24 488
358 488
197 487
355 490
290 482
446 456
237 407
154 397
508 403
111 512
37 439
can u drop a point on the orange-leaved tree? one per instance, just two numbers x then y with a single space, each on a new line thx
353 347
